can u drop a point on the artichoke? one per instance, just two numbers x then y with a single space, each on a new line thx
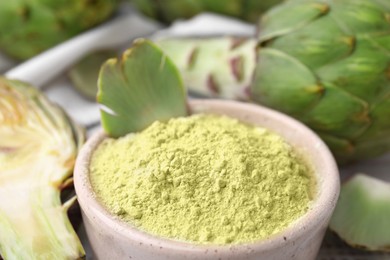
217 67
323 62
170 10
28 27
327 63
361 217
142 87
38 147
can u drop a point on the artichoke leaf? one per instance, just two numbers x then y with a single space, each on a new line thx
38 148
364 73
384 3
360 17
282 81
380 114
295 15
341 148
339 113
142 87
373 147
318 43
361 217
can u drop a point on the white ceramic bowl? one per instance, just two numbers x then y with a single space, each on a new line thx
112 239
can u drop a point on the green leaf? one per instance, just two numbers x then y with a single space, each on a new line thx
361 217
143 87
288 17
283 82
318 43
364 73
361 17
338 113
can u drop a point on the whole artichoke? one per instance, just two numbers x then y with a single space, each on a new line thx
324 62
170 10
28 27
327 63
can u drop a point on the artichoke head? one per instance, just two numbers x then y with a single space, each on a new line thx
38 148
28 27
327 63
215 67
170 10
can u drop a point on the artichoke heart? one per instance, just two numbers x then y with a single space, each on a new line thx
38 148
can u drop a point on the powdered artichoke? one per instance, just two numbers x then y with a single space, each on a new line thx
170 10
28 27
38 147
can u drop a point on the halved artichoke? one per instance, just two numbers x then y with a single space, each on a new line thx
38 148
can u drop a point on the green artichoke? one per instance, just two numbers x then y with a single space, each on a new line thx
170 10
28 27
327 63
38 148
215 67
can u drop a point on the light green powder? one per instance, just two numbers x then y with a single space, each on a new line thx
204 179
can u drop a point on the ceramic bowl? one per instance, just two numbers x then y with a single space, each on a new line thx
110 238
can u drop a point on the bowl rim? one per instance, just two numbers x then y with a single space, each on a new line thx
320 210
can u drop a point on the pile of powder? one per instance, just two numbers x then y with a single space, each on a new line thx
204 179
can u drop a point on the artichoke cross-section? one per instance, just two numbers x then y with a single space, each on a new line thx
38 148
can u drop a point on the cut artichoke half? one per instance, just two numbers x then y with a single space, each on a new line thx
142 87
38 148
362 215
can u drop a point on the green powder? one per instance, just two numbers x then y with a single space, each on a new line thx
204 179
